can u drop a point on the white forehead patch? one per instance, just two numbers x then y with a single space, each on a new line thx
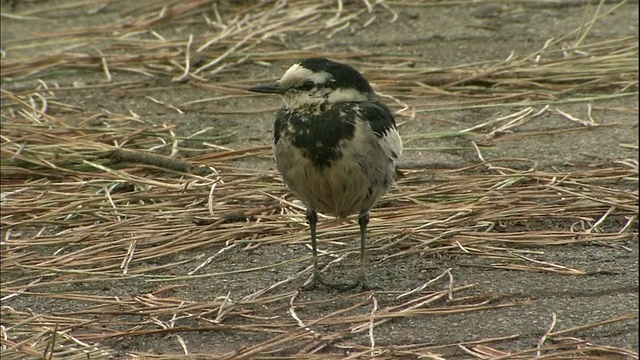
296 75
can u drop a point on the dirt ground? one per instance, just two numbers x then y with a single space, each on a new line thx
510 305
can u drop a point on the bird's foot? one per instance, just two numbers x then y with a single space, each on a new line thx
361 285
316 281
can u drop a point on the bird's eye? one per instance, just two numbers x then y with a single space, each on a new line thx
307 85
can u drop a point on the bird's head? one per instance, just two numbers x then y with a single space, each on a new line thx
317 81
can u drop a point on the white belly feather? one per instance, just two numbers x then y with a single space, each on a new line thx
350 184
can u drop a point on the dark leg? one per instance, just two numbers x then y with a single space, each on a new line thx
363 221
312 219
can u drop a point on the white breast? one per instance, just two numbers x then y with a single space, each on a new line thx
351 184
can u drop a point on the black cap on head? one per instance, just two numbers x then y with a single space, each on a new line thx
344 75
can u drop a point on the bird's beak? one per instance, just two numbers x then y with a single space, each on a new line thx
266 89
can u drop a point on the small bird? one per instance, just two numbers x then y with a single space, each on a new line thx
335 144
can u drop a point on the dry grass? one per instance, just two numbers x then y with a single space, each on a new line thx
89 197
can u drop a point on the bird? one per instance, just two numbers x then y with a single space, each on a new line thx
336 146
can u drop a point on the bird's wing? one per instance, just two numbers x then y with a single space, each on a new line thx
383 125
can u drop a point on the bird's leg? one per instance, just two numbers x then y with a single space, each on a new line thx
312 219
363 221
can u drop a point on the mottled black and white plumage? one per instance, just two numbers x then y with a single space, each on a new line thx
335 143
